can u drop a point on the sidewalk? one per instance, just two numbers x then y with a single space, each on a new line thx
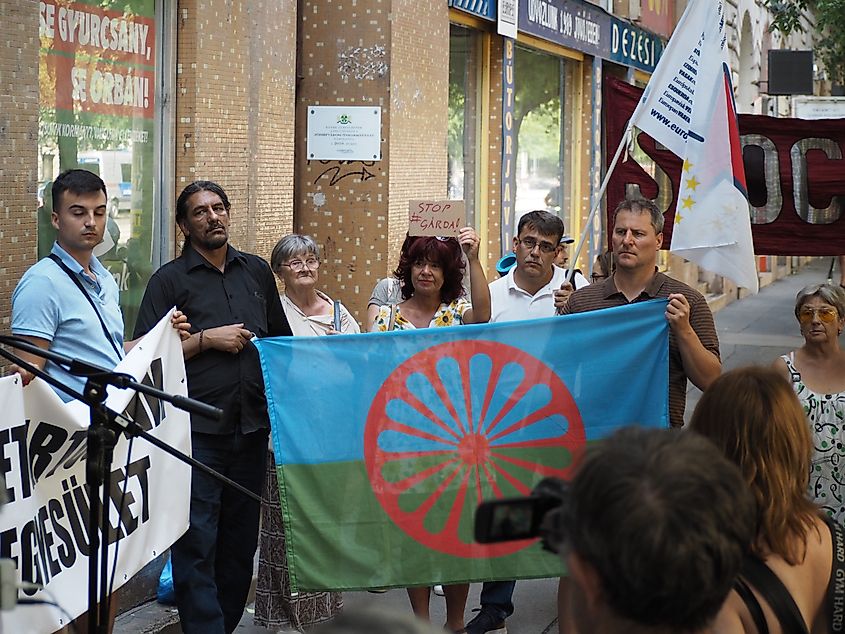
754 330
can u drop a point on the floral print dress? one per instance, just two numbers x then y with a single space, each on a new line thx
826 415
447 315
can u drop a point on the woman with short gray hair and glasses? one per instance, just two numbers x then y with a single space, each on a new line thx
310 312
817 373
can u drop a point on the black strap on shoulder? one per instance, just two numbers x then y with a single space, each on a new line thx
836 588
82 290
753 605
761 577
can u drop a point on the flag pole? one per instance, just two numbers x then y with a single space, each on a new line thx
587 225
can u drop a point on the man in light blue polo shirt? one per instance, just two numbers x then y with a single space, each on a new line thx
68 301
49 308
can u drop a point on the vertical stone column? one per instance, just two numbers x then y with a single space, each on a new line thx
388 53
236 69
19 143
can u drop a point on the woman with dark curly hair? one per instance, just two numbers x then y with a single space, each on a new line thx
431 271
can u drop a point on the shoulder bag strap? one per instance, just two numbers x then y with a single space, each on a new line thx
761 577
747 595
836 588
82 290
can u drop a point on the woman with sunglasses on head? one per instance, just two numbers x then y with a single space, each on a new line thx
817 373
431 273
310 312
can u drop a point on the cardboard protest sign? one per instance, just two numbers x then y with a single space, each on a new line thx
436 217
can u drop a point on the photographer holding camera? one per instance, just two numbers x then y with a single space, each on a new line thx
654 533
653 529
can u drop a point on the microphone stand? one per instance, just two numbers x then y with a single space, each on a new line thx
101 439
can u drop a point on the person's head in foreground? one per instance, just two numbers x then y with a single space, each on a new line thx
655 533
752 415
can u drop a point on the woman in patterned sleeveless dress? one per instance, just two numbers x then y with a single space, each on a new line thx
817 373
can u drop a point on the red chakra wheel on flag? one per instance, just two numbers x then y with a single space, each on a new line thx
463 422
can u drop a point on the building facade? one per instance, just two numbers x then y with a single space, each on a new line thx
153 94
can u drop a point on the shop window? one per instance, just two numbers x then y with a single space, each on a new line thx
97 81
464 45
539 140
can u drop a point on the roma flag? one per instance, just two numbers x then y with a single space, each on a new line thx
385 443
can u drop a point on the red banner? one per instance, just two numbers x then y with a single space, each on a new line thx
794 168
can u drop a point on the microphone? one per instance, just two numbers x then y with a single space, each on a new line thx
120 380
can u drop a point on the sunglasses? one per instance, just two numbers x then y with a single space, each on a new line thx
826 315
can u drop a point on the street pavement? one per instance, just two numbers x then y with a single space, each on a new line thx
758 329
754 330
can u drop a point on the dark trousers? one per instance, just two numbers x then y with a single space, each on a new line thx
213 561
497 598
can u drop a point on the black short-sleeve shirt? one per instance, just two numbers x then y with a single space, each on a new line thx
244 292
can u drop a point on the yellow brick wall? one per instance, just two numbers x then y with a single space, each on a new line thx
419 89
388 53
19 142
343 204
235 86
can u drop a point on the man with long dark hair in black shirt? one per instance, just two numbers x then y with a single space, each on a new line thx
229 297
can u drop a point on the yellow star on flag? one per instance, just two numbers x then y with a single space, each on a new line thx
692 183
687 165
688 202
678 218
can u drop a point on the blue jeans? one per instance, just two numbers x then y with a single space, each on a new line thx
213 560
497 598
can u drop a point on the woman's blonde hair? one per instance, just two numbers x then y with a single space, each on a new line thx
754 417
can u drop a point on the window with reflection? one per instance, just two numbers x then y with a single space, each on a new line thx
464 52
538 97
97 81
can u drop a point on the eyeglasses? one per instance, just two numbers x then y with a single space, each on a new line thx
595 277
530 243
298 265
826 315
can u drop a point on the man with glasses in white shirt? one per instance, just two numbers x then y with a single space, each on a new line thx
527 291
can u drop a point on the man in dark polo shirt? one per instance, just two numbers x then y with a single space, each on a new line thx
230 297
693 344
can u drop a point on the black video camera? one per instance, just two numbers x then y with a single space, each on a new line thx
538 515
